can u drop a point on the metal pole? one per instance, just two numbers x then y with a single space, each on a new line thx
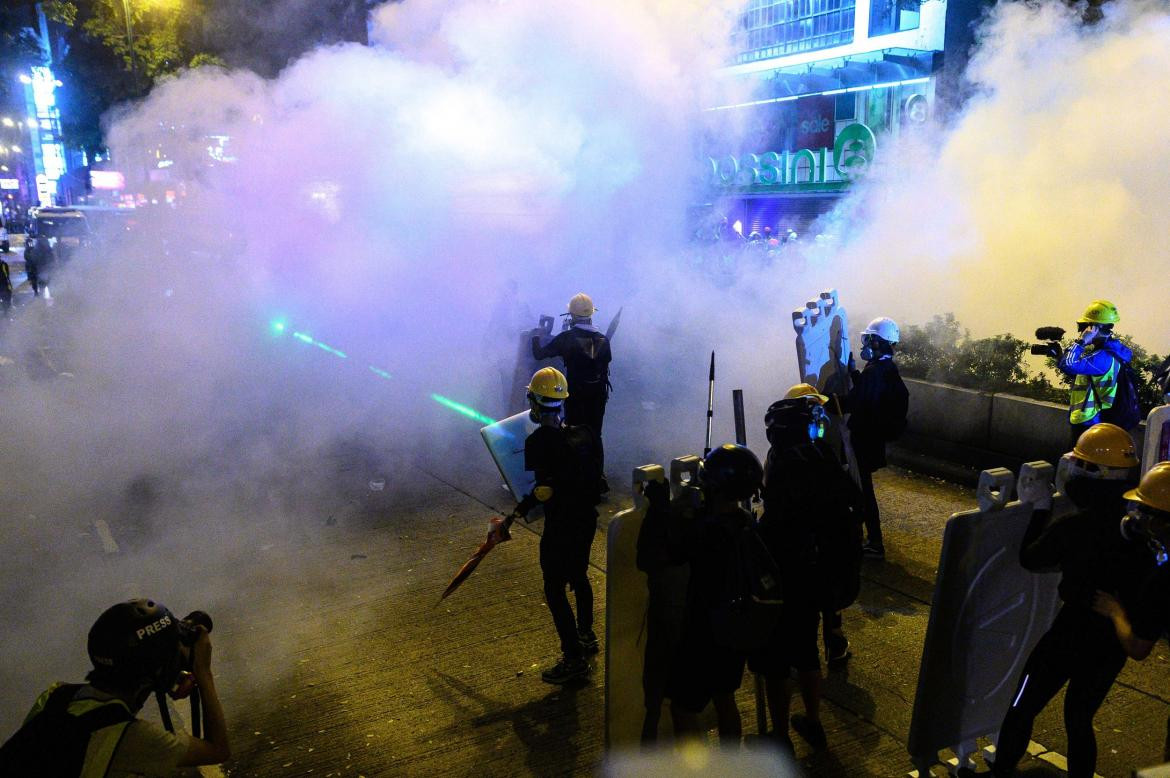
710 406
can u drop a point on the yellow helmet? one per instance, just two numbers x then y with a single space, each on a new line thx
1100 312
1154 490
549 386
805 390
1106 445
581 306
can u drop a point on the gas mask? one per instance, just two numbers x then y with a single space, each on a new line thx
871 347
1152 527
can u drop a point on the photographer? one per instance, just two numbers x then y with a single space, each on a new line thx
1095 363
137 648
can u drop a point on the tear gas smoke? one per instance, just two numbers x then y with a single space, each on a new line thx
413 205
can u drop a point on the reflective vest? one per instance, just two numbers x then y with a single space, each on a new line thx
63 736
1092 394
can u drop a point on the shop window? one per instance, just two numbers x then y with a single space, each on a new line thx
887 16
846 106
773 28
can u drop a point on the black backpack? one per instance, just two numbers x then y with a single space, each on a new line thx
53 743
748 609
1126 411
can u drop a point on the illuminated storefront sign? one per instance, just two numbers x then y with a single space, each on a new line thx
107 179
45 130
9 183
806 169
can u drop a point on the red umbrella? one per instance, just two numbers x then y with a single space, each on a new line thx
497 534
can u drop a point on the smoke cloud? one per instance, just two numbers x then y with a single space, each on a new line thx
397 213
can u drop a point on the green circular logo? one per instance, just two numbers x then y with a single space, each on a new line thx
854 150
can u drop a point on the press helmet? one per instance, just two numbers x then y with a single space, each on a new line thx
1105 452
1100 312
732 471
581 306
885 328
136 641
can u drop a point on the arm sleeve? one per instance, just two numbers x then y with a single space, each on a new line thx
1076 362
148 749
1043 542
553 349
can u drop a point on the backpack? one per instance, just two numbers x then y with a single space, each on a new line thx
54 741
1126 411
749 608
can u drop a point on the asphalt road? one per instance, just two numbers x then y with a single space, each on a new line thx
335 658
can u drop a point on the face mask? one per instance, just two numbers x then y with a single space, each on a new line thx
1141 525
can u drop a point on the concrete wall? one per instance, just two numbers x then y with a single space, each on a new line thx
970 430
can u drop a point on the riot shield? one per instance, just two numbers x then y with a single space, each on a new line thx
822 355
626 599
1157 447
505 442
525 364
986 616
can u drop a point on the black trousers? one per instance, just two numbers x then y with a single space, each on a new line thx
1081 650
564 562
586 407
873 522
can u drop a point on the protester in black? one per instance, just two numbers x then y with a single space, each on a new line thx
586 354
877 405
1081 648
811 524
5 288
706 669
563 460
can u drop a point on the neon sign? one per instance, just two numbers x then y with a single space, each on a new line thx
854 150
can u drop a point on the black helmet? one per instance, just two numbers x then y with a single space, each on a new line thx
733 471
794 421
137 641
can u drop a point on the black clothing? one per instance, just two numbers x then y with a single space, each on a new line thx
811 526
564 561
1088 660
1081 648
585 352
5 286
701 668
877 404
586 356
564 459
32 265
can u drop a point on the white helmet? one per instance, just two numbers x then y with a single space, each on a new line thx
581 306
885 328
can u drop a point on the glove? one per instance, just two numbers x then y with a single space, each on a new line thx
1055 351
498 529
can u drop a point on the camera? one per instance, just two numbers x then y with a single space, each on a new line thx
1051 348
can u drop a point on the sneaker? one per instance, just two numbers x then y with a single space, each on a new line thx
870 551
837 651
566 670
588 640
813 732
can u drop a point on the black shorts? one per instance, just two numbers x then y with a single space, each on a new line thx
702 670
793 645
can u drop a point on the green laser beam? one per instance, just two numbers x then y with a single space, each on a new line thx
278 327
458 407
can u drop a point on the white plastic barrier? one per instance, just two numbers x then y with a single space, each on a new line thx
822 342
626 601
1157 448
986 615
505 442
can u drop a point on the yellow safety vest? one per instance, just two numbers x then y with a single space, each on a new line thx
102 742
1092 394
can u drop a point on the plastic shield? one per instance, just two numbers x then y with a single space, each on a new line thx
505 442
987 614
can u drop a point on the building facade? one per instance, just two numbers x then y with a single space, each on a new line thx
829 84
